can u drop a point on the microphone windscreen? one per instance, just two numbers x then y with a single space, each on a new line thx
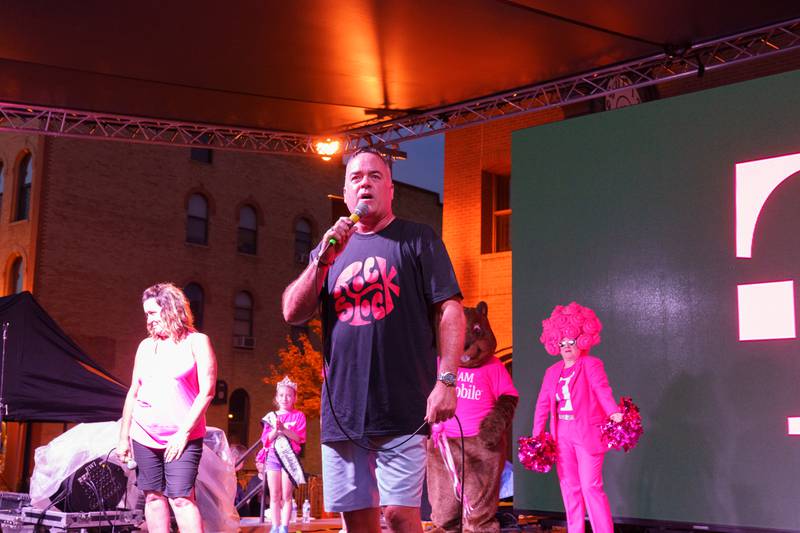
361 210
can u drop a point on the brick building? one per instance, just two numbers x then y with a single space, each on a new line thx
478 185
87 225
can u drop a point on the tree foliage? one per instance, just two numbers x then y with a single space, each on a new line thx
301 360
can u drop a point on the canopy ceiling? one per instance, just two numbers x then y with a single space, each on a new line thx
319 66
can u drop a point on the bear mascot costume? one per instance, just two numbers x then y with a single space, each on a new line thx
486 402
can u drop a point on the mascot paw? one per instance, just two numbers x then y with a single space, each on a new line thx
494 426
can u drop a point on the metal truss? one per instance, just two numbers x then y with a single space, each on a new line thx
71 123
673 64
670 65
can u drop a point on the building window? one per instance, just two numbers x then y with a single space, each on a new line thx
24 180
197 220
238 417
302 240
201 155
15 275
248 232
243 321
194 293
496 213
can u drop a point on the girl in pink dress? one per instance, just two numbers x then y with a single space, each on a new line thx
291 423
577 399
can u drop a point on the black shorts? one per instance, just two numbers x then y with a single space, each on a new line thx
174 479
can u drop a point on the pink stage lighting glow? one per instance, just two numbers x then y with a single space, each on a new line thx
755 181
766 311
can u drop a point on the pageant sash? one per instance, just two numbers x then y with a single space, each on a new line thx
286 455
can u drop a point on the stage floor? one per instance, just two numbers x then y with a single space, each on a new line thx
251 525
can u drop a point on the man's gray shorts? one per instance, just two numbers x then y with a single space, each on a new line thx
354 478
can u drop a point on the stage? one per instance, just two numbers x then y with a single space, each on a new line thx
250 525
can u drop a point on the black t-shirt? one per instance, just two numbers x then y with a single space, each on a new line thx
378 323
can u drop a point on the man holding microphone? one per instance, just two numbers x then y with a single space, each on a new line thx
387 293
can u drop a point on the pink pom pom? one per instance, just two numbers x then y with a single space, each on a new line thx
623 435
552 348
538 453
560 321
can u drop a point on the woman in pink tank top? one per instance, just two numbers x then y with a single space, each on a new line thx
163 421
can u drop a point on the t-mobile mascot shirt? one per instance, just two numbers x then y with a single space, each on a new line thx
378 322
478 390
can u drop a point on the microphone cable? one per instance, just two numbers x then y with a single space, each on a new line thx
131 464
58 497
344 431
383 449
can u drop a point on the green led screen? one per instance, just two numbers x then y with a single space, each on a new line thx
632 213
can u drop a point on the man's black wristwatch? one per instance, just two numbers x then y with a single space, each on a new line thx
448 378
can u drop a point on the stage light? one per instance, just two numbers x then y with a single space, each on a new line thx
327 148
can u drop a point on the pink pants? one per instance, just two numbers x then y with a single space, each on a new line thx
580 474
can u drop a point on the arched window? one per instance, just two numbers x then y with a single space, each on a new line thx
194 293
24 180
248 231
197 219
302 240
15 276
238 417
243 321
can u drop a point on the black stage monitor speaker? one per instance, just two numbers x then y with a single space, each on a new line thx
96 486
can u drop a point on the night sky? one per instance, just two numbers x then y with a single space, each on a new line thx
425 164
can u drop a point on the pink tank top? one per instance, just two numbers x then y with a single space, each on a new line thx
168 387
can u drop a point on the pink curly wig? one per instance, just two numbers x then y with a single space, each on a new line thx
573 321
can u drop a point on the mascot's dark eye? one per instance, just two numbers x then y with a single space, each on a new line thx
476 330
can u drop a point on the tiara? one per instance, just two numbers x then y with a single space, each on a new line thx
286 382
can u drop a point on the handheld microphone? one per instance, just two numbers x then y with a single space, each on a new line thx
359 212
